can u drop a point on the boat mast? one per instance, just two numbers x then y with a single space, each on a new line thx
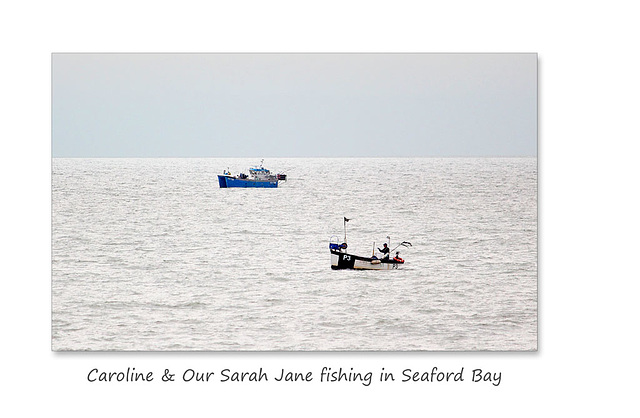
345 229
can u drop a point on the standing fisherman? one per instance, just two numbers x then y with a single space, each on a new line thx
384 251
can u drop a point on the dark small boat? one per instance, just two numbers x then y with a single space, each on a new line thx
342 260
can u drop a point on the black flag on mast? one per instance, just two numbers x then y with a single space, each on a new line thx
346 219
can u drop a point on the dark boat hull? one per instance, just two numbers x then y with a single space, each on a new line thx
344 261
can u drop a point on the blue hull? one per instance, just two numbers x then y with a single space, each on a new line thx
227 182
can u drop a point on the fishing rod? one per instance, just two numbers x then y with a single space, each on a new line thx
403 244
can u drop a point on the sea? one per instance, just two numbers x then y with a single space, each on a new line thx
149 254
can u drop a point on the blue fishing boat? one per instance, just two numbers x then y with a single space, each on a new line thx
258 177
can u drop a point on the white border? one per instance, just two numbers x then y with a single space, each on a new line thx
588 227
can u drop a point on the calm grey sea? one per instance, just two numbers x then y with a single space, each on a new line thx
150 254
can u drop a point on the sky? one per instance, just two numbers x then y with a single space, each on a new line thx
294 105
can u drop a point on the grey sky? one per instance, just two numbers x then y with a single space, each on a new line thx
294 105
